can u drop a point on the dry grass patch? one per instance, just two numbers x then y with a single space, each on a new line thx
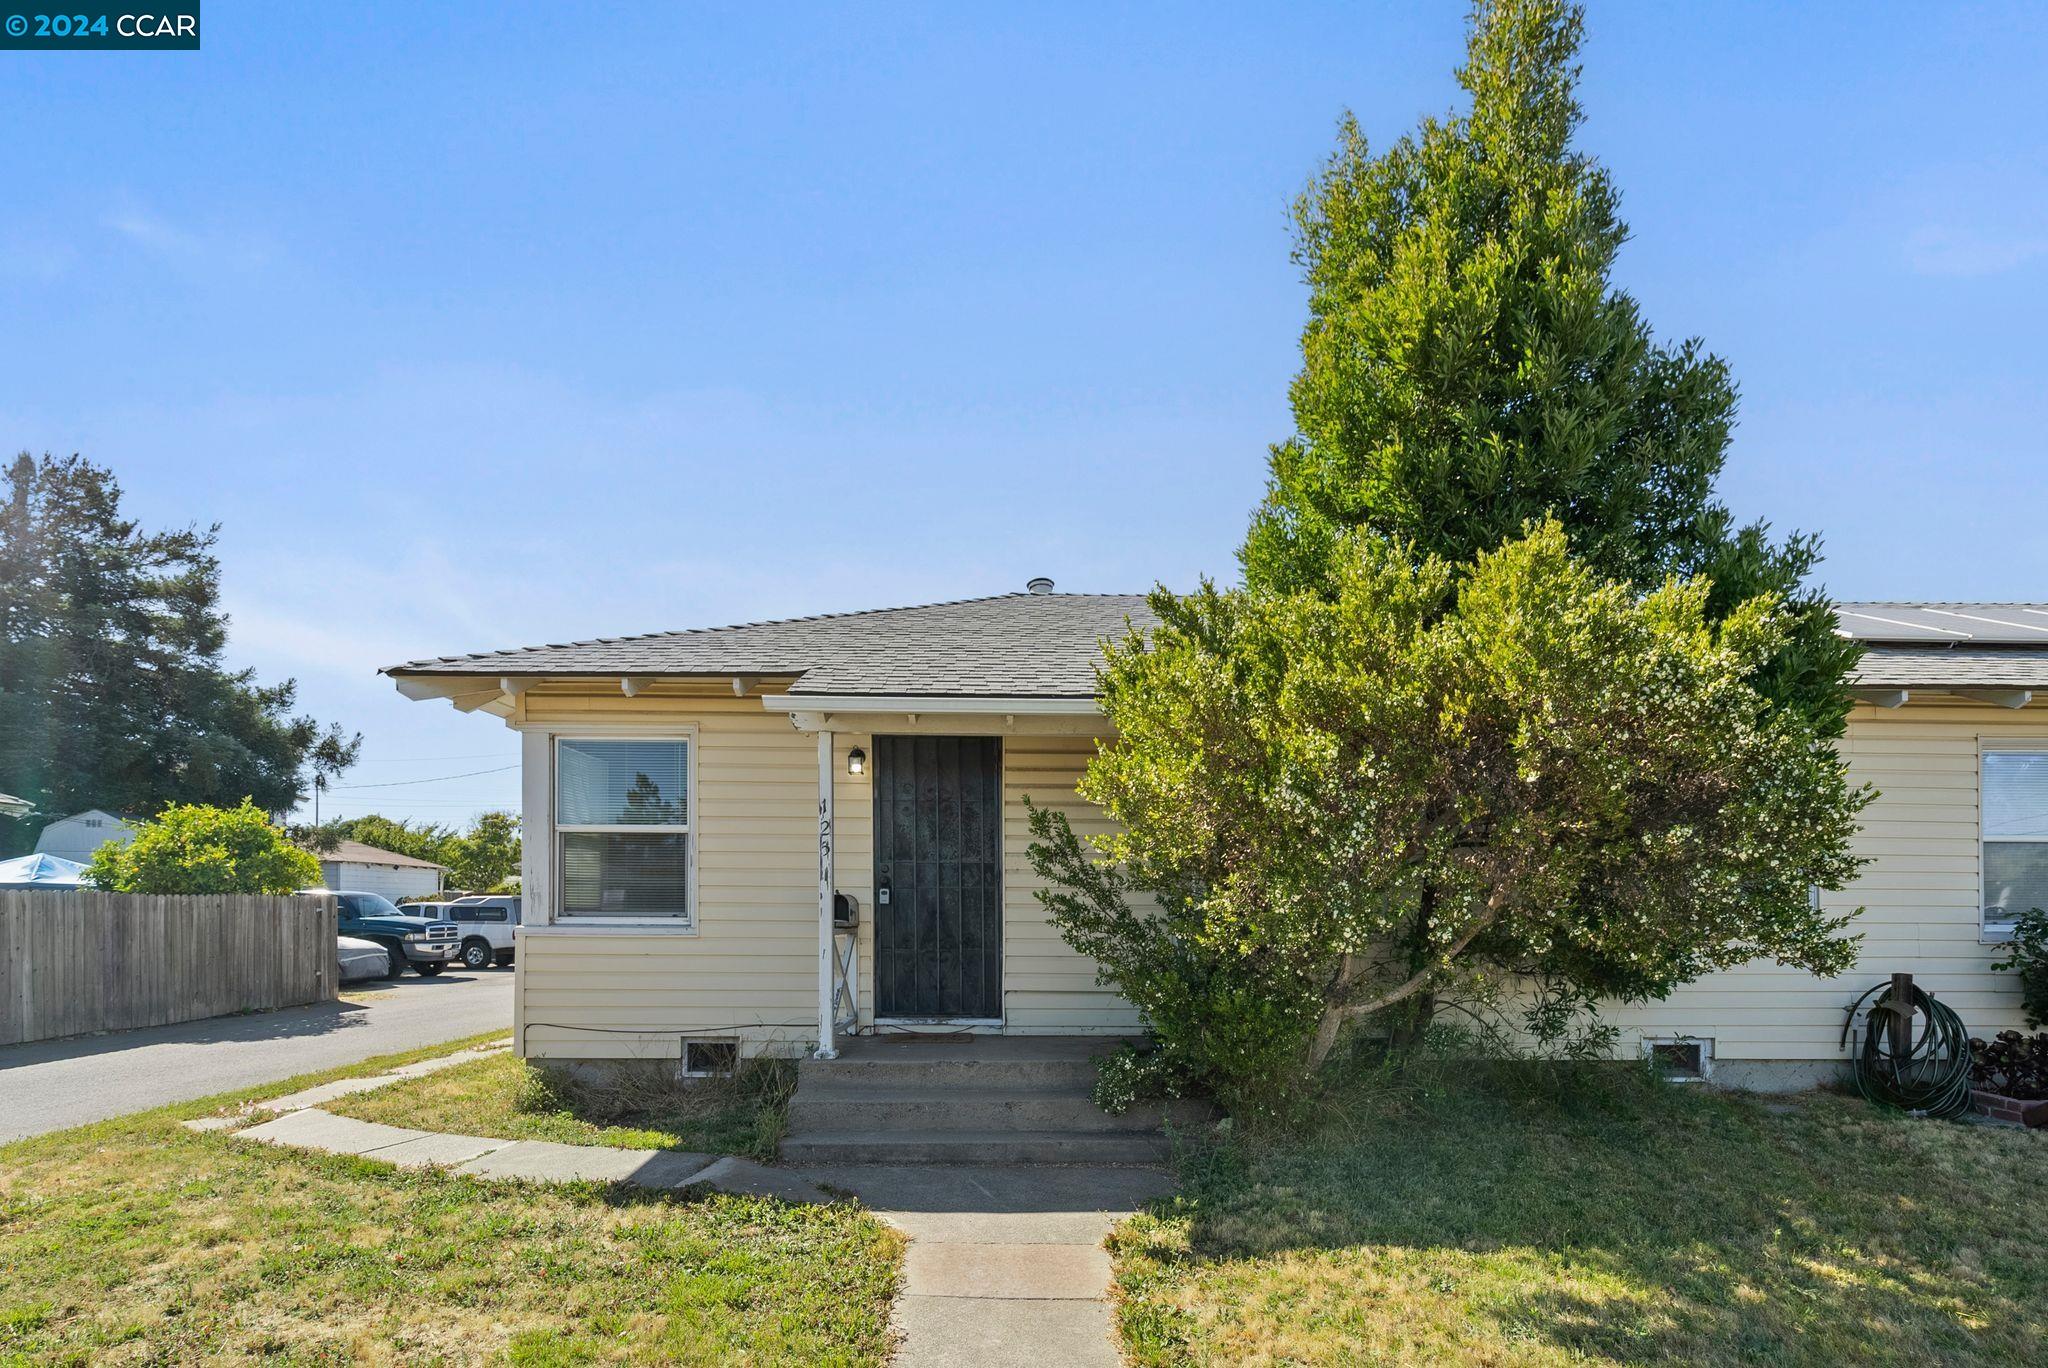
1526 1217
509 1098
137 1241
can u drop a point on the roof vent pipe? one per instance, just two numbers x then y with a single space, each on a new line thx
1038 585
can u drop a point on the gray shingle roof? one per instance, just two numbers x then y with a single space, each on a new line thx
1047 645
356 852
1949 645
1010 646
1923 667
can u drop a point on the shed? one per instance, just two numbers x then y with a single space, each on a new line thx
76 837
354 867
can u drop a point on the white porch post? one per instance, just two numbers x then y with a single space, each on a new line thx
825 1002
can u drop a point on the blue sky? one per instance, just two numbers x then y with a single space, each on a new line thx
479 327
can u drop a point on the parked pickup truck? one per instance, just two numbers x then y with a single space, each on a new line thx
429 946
489 923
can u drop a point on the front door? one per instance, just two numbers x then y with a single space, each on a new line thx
938 876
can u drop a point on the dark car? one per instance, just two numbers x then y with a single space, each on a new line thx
428 945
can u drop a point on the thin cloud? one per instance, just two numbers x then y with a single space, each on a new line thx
192 249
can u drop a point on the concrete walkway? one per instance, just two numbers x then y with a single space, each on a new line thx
296 1120
1005 1268
1006 1265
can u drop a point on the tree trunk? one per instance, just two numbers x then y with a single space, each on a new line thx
1337 1010
1421 1011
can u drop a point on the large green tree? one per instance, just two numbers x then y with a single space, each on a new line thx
1329 804
1470 366
1507 695
113 689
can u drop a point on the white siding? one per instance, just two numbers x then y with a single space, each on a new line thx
748 969
1920 894
1048 988
76 837
392 881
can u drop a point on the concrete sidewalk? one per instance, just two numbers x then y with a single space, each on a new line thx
296 1121
1006 1267
533 1161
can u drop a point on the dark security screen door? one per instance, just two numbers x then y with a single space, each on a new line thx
939 855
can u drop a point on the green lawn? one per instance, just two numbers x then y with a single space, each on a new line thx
137 1241
506 1097
1497 1220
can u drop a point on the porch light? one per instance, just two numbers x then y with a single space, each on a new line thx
856 762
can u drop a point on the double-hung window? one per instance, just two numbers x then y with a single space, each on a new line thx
2015 818
622 830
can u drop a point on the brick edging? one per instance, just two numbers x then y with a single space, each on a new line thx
1999 1107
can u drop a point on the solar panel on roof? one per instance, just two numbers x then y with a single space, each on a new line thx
1978 623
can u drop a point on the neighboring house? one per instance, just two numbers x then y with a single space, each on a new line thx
693 801
76 837
353 867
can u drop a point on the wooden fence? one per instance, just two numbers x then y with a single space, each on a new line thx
74 962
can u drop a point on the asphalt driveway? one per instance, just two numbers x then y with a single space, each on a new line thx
51 1084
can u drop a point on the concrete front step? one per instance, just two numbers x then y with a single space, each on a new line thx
856 1107
968 1099
974 1147
933 1069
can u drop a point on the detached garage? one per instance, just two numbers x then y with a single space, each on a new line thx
353 867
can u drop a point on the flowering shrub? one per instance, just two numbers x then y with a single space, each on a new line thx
1326 807
1130 1076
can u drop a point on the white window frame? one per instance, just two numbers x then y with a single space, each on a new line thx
1997 932
685 925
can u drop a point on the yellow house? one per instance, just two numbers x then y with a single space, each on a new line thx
774 836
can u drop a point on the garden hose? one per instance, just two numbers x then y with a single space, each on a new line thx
1932 1075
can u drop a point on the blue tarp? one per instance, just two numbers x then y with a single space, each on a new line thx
41 871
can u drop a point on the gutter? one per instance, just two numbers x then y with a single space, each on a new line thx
916 703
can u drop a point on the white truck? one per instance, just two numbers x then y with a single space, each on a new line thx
488 924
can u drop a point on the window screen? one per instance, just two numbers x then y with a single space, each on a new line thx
622 828
2015 819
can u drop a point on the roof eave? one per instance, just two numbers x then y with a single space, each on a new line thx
1063 705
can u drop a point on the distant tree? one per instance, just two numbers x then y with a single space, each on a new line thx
421 840
487 854
113 689
645 804
192 848
1469 366
480 858
322 839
